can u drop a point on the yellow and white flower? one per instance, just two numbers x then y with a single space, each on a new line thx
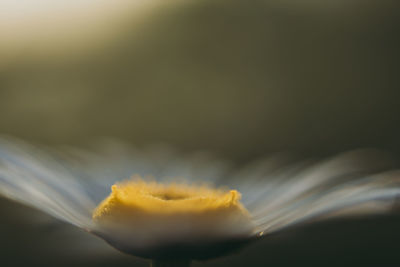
193 206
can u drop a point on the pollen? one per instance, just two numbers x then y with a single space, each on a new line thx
156 213
137 197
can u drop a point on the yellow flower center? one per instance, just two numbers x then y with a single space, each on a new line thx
135 197
140 214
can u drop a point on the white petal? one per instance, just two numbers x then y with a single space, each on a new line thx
111 161
34 178
348 184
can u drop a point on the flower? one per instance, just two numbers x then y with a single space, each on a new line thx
170 220
193 206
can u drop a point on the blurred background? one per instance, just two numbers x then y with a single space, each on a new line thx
241 78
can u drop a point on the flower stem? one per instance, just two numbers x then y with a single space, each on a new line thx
170 263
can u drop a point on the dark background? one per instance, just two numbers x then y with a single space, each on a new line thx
240 78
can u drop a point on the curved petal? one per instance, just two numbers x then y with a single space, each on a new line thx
111 161
68 182
351 183
33 177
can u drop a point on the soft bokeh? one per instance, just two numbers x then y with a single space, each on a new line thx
242 78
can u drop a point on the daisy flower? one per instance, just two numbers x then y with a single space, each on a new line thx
173 208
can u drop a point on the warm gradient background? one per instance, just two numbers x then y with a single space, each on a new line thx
242 78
